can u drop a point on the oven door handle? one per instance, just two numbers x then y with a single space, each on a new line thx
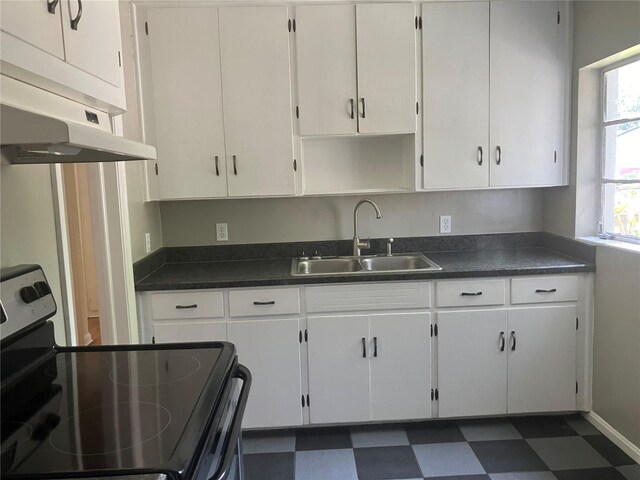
236 427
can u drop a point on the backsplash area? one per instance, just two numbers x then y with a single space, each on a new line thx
331 218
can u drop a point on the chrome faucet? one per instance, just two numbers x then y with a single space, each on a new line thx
357 243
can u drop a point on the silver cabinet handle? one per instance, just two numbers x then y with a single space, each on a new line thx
75 21
51 6
502 341
480 155
363 108
351 105
498 155
364 347
215 159
513 341
235 166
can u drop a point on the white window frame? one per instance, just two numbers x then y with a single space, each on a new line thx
604 180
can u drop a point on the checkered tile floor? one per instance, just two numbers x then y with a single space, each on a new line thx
525 448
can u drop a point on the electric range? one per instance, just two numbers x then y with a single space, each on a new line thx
112 411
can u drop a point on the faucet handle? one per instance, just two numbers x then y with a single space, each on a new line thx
303 256
316 256
389 244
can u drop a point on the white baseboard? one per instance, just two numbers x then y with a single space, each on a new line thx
612 434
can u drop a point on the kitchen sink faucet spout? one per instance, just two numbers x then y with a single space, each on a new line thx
357 243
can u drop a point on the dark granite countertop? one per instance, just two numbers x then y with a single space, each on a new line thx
455 264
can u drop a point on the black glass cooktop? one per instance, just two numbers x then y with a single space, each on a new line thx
92 410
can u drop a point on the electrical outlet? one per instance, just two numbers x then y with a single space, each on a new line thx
222 233
147 243
445 223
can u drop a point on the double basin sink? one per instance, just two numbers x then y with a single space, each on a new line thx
401 263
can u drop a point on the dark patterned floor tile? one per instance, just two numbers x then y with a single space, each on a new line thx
609 450
543 427
507 456
268 466
323 438
590 474
385 463
433 432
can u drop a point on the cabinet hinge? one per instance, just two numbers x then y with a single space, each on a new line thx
417 108
576 387
555 156
156 168
577 323
119 59
308 401
306 335
153 339
146 28
422 160
435 330
300 336
297 111
295 165
432 395
558 17
302 400
437 395
431 329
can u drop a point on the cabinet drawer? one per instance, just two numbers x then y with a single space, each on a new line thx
177 332
368 296
552 288
187 305
470 293
245 303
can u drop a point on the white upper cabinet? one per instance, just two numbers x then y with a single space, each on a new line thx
356 68
326 56
187 100
256 91
526 97
455 49
92 37
37 23
386 39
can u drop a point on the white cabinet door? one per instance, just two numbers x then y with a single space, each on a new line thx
256 90
32 22
386 39
339 368
326 64
542 359
189 331
187 97
271 351
93 44
472 362
526 65
400 356
455 50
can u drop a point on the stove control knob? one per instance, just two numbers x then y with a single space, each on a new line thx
42 288
29 294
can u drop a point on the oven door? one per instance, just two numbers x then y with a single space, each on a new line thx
222 460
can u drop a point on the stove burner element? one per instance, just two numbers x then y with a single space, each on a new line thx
107 429
148 369
14 433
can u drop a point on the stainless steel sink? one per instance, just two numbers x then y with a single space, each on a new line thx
402 263
398 263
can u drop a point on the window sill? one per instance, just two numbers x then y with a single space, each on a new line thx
617 244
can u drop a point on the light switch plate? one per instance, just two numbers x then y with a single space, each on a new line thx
147 242
445 223
222 233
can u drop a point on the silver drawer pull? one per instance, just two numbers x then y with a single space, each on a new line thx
551 290
471 294
271 302
184 307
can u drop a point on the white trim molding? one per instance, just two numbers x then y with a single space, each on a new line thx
612 434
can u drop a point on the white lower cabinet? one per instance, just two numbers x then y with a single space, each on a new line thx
519 360
271 351
369 367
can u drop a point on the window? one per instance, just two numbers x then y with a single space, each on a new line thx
620 207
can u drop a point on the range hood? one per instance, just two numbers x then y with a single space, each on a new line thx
40 127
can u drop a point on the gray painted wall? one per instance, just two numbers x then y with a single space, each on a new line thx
616 350
330 218
27 226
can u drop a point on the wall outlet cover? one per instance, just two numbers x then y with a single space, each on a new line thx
222 232
445 223
147 243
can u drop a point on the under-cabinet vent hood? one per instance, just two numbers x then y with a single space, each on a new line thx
39 127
